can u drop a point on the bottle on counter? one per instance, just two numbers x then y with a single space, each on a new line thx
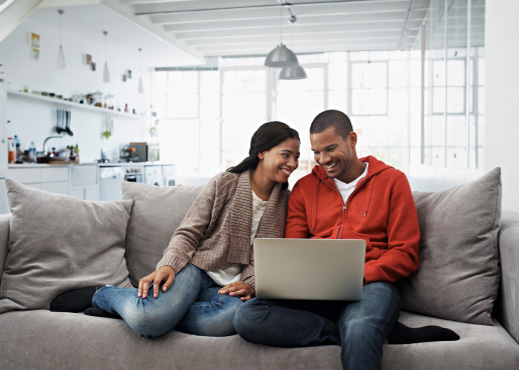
11 150
19 153
32 153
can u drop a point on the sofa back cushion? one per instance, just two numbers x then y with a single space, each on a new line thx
156 215
57 243
458 277
4 239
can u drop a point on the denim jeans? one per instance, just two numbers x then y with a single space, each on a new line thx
360 328
191 305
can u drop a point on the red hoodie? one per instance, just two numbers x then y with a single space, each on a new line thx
380 210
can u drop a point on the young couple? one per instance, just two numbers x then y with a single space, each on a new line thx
204 283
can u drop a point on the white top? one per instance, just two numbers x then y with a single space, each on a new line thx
347 188
233 274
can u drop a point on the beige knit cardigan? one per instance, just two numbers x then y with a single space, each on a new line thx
216 232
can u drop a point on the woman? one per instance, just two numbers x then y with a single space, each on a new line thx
207 270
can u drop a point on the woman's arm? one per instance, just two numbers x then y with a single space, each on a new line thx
200 217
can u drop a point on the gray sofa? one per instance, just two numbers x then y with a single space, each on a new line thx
32 337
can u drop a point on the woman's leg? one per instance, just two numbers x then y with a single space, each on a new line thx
153 317
211 315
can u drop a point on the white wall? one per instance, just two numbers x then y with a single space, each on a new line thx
502 95
33 121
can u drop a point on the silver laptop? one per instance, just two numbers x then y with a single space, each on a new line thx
320 269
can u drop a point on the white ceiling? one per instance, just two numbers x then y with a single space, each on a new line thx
254 27
183 32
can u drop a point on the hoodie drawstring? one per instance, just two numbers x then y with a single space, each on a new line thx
314 208
370 192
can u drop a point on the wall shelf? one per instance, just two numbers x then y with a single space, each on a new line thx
66 103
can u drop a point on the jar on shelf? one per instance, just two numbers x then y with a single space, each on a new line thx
109 101
98 98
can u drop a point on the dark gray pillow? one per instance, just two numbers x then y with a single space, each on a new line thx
57 243
458 277
156 215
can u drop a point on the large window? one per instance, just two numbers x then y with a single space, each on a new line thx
418 107
452 45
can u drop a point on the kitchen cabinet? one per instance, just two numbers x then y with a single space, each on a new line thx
84 183
53 179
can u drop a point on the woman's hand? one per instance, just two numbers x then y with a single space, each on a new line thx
238 288
165 273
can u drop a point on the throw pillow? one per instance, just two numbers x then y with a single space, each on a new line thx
458 277
57 243
157 212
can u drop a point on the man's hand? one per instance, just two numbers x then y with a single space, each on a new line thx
165 273
238 288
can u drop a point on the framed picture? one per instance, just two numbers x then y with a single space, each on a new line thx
35 54
129 74
124 78
35 46
35 41
88 59
92 66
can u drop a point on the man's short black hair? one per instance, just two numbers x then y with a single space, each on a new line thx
332 118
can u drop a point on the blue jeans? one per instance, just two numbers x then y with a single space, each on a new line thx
191 305
360 328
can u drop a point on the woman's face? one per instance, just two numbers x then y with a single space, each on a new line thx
278 163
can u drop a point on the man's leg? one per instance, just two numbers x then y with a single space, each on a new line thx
285 323
365 325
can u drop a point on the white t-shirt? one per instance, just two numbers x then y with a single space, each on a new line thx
347 188
233 274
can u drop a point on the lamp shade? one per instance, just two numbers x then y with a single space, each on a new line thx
281 57
61 58
106 73
292 73
140 88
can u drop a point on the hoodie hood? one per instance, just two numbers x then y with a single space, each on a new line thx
375 167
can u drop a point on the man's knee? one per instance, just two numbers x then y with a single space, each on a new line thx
248 318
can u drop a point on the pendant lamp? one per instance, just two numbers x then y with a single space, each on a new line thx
61 56
292 73
140 89
281 56
106 73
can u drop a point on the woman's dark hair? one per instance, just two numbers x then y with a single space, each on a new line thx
266 137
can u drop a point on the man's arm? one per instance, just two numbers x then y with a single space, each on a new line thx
403 234
297 224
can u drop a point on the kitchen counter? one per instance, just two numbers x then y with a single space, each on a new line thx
111 164
89 180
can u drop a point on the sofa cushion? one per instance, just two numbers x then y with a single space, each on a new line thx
458 277
156 214
57 243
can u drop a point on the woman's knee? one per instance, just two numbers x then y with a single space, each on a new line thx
148 317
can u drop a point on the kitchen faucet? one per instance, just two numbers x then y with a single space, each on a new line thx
45 142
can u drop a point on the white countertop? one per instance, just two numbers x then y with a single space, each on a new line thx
133 164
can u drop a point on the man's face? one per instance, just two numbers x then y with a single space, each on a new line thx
334 153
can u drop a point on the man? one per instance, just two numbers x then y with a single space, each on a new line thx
347 197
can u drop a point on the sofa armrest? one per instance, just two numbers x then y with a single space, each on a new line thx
507 307
4 239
